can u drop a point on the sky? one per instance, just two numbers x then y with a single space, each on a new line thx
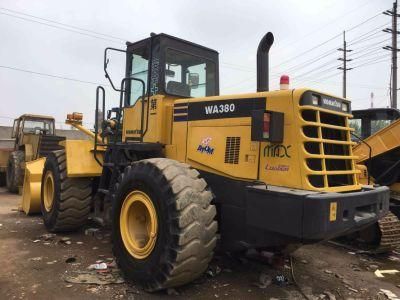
307 36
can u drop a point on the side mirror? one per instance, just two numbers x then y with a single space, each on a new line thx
193 80
169 73
267 126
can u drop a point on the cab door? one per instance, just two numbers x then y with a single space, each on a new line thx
135 102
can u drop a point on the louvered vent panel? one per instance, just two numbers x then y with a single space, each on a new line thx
232 150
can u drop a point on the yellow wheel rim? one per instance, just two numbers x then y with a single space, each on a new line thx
48 192
138 224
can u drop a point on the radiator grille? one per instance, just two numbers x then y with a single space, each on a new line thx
232 150
328 148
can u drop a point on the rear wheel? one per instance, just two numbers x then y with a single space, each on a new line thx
15 170
164 231
3 180
65 202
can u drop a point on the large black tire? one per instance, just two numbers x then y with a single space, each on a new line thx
15 170
3 180
186 235
70 198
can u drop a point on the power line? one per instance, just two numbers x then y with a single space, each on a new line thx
373 61
368 55
52 76
327 41
318 58
57 122
63 24
59 27
353 85
369 45
328 64
371 51
329 76
368 38
362 23
311 61
329 23
91 32
377 29
323 55
311 49
318 68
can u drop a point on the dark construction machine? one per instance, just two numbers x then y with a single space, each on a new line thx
34 137
176 165
378 152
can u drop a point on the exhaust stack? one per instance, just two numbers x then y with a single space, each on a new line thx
263 62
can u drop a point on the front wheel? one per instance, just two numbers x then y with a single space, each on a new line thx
15 171
164 232
65 202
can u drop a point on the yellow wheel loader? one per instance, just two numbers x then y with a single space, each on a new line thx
176 166
378 151
34 137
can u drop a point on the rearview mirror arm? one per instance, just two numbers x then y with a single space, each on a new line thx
106 61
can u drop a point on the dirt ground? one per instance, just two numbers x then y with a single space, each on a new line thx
33 266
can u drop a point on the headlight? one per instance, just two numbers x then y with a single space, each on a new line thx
345 107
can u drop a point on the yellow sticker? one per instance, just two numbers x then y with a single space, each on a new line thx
333 211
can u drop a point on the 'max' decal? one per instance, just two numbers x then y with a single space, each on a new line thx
278 150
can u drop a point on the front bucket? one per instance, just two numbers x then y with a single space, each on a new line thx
32 186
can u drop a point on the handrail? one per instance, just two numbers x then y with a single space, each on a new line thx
369 167
96 120
149 76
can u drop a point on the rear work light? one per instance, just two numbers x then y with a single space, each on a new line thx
267 126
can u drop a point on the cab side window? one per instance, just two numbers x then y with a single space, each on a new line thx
188 75
139 70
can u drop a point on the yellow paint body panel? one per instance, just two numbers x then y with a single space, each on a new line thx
384 140
159 125
215 163
279 164
32 186
80 159
284 164
276 164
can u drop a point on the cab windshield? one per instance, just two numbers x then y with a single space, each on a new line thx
38 126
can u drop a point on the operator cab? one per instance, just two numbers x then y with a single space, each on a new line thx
170 66
367 122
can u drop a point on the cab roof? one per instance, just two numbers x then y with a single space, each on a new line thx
32 116
173 38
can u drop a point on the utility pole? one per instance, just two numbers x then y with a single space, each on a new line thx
345 60
394 50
